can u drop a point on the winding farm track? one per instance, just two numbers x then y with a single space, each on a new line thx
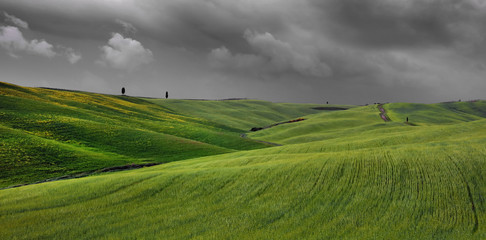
383 113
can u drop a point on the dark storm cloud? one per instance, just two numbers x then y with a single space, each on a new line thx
198 25
405 24
83 20
421 49
207 24
271 56
213 23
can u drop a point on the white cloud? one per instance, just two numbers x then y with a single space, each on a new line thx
125 53
41 47
16 21
12 39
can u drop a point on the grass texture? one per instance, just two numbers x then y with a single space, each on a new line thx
47 133
339 175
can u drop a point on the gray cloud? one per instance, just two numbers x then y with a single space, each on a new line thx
221 58
71 55
209 24
125 53
272 56
16 21
397 23
128 28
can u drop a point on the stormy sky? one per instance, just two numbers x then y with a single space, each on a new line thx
341 51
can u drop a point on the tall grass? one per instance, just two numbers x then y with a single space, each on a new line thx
339 175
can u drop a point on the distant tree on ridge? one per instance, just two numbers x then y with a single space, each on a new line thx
123 91
166 94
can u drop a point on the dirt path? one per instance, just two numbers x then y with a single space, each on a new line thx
383 113
243 135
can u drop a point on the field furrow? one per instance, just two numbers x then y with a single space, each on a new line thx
343 174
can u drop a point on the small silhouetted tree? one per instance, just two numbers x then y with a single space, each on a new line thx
166 94
327 102
407 119
123 90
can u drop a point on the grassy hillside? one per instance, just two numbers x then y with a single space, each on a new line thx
241 114
50 133
324 125
412 192
340 175
440 113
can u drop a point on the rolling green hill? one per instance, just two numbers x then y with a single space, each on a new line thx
440 113
48 133
242 114
339 175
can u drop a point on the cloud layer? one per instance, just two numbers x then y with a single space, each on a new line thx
401 24
271 56
395 50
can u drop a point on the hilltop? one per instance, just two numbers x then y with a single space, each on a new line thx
343 174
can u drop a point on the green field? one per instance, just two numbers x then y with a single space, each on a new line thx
50 133
339 174
241 114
